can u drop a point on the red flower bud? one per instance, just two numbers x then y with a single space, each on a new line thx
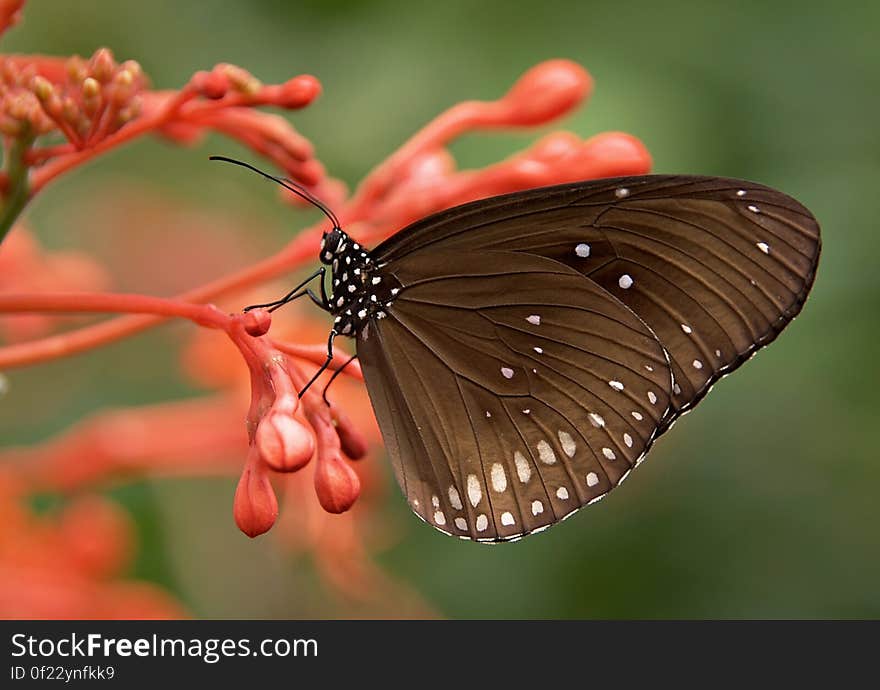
257 322
336 484
122 87
102 65
212 84
255 507
555 147
70 111
77 69
283 442
353 443
43 88
240 79
547 91
299 91
616 153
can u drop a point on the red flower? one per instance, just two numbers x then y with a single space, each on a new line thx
418 179
98 104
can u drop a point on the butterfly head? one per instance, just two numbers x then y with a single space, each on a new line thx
332 244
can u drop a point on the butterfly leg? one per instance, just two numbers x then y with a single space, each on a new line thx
296 293
333 378
324 300
317 300
324 366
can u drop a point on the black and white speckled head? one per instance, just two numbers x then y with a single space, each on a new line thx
359 290
330 244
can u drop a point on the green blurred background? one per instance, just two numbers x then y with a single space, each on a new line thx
761 504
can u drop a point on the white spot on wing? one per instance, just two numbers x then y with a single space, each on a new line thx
439 517
473 490
628 440
596 420
507 372
637 415
608 453
592 479
764 247
482 523
698 364
562 493
507 519
534 319
537 507
582 250
498 477
621 192
545 452
754 209
625 281
523 471
454 498
461 523
686 328
652 397
568 445
616 385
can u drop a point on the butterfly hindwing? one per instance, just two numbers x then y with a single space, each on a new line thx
511 390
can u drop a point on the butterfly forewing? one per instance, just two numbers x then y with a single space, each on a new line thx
514 390
715 267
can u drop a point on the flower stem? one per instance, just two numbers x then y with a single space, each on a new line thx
202 314
19 188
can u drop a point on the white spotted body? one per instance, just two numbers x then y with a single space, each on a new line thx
358 293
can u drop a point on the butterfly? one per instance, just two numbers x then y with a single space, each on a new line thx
523 352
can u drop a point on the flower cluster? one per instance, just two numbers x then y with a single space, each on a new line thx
58 113
97 104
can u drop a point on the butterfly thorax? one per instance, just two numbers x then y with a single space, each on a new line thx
360 291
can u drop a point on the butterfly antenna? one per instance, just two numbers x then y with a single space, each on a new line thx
288 184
